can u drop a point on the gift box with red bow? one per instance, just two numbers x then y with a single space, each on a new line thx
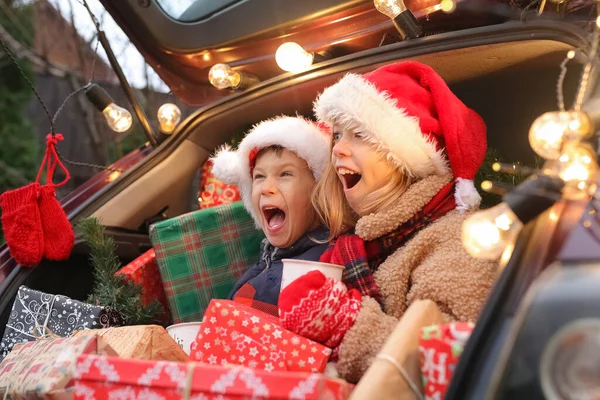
98 377
233 333
440 347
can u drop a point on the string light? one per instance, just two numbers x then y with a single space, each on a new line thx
169 116
291 57
222 76
118 118
550 131
403 19
487 234
447 6
578 167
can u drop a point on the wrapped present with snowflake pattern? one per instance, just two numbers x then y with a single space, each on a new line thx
202 254
37 314
441 347
233 333
98 377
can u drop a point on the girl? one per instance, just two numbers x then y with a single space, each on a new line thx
404 152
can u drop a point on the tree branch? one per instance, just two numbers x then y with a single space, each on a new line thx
20 51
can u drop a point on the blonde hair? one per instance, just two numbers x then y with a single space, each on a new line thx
330 202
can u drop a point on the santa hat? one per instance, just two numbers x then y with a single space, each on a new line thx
307 139
408 112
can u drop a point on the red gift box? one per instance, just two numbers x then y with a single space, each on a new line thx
440 347
100 377
233 333
213 192
144 271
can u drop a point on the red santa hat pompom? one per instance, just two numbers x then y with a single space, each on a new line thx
407 111
309 140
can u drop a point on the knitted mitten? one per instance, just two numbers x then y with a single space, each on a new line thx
58 232
22 225
319 308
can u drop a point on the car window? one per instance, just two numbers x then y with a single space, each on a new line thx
190 10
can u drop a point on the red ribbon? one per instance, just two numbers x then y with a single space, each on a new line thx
51 160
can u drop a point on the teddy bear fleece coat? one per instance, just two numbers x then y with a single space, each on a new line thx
432 265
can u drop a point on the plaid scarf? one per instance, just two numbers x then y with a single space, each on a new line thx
362 258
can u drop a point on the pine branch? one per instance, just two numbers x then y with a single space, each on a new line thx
112 290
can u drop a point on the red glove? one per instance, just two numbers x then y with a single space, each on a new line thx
319 308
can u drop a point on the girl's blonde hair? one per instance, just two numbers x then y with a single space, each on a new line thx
330 202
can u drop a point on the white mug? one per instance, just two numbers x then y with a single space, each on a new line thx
184 334
294 269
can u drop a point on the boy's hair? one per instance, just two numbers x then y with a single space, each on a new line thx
332 207
277 149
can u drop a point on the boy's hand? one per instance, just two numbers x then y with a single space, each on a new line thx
319 308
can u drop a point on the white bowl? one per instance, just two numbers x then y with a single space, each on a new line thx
184 334
294 269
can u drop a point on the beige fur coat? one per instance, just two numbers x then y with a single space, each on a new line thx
432 265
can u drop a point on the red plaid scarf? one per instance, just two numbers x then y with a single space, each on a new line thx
361 259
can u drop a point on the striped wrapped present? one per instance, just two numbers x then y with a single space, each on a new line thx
202 254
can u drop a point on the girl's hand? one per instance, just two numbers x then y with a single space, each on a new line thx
319 308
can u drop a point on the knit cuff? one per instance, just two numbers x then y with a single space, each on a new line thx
14 199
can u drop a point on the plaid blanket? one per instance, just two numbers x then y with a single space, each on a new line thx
362 258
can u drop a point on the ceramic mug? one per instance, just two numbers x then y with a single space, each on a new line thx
294 269
184 334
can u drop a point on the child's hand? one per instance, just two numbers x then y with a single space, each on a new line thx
319 308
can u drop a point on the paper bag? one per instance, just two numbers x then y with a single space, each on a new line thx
142 342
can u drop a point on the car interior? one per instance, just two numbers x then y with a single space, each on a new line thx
507 73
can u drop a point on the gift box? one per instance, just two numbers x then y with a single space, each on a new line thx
36 314
382 380
232 333
440 347
144 271
143 342
202 254
213 192
44 369
116 378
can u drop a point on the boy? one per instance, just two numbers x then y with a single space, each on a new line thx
275 168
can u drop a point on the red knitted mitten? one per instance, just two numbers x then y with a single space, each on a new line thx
58 232
22 225
319 308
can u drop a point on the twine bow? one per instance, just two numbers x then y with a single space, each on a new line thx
187 389
51 160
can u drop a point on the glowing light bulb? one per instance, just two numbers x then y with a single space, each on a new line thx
391 8
487 233
578 167
169 116
118 118
549 132
447 6
222 76
291 57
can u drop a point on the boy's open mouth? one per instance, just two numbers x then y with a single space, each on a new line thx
350 178
274 216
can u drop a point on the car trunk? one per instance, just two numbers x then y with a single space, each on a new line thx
507 73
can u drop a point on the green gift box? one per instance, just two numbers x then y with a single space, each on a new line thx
202 254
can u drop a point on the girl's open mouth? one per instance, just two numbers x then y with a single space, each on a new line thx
349 178
274 216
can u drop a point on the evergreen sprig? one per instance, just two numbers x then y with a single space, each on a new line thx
112 290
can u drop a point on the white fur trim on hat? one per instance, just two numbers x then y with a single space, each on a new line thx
292 133
355 103
465 195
